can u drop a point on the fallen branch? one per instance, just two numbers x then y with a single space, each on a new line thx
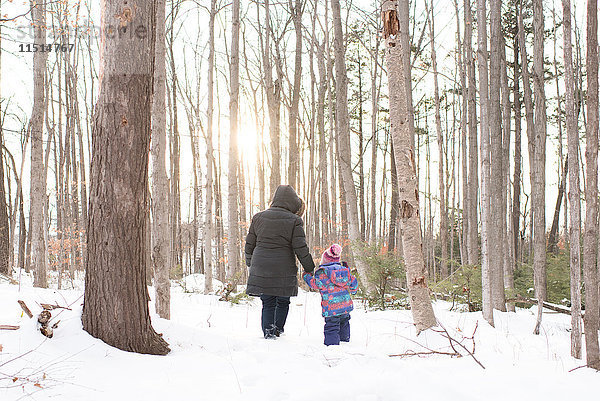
445 333
410 353
52 307
8 327
547 305
25 308
9 279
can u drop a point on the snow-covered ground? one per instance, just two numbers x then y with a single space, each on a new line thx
218 353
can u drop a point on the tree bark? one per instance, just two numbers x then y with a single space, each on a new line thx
416 274
482 57
233 243
5 267
38 187
116 296
590 234
294 157
471 203
574 191
496 155
343 135
208 225
161 258
539 187
440 142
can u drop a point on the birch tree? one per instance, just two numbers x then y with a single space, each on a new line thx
416 274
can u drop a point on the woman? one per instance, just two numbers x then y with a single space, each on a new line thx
274 236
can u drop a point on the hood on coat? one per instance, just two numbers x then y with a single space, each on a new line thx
286 197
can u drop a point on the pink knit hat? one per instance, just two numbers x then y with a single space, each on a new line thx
331 254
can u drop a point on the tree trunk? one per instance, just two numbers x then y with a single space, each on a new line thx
416 274
485 196
233 243
440 141
471 203
496 188
323 165
161 252
116 296
5 267
505 232
294 157
538 192
516 195
208 225
590 234
343 135
38 186
574 191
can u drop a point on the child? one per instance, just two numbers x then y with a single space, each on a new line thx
335 283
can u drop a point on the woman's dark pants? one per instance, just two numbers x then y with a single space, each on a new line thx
274 313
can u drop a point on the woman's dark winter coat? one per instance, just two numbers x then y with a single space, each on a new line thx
274 237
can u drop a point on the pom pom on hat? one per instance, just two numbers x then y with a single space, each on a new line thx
331 254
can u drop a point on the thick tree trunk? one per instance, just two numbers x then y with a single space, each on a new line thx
38 186
343 135
233 243
416 274
538 191
116 296
590 234
574 191
161 259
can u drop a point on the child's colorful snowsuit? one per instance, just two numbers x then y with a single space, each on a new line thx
335 283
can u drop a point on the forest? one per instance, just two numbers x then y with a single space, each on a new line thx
449 146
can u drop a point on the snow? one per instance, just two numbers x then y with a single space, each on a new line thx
218 353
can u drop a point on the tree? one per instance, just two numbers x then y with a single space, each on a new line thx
161 259
496 155
4 231
208 227
538 191
484 140
36 127
471 201
115 307
343 136
590 234
233 243
440 141
574 191
396 49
